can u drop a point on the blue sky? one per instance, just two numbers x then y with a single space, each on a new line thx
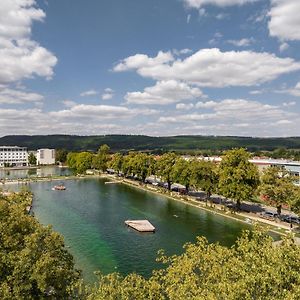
172 67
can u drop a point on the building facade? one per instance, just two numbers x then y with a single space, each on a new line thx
45 157
13 156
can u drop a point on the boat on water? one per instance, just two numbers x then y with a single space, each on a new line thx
59 187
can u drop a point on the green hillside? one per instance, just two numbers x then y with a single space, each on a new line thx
140 142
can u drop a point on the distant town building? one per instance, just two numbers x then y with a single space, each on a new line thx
13 156
45 157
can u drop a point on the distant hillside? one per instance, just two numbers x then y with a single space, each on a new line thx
140 142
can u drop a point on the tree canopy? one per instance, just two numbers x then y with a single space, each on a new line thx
34 263
238 178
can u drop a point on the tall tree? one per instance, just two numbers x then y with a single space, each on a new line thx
204 176
181 172
32 159
277 185
116 162
61 155
165 166
238 178
100 160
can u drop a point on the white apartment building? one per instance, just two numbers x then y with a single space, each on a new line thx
45 157
13 156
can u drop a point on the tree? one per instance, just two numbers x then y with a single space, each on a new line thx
238 178
34 263
204 176
32 159
116 162
141 163
165 166
251 269
181 172
61 155
100 160
277 185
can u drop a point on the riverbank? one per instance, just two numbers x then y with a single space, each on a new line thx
244 217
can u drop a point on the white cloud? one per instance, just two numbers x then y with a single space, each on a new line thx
296 90
207 104
108 94
256 92
89 93
21 57
163 93
242 42
284 19
68 103
184 106
213 68
237 117
188 18
11 96
141 60
289 104
283 47
221 3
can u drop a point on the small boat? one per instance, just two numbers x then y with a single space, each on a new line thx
59 187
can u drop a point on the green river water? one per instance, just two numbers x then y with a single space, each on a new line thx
90 215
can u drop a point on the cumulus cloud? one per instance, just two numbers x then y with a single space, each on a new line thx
163 93
12 96
289 104
212 67
21 57
89 93
108 94
221 3
141 60
284 19
234 116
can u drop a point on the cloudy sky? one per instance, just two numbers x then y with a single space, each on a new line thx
171 67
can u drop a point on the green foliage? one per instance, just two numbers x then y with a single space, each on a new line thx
101 159
252 269
204 176
238 178
116 162
34 263
80 162
61 155
181 172
124 143
278 186
32 159
165 166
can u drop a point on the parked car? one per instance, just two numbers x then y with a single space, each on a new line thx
269 215
291 219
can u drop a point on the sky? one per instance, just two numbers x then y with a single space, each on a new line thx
153 67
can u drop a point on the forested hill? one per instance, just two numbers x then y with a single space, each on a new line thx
141 142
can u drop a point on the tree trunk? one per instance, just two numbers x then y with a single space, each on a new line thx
169 185
279 209
238 204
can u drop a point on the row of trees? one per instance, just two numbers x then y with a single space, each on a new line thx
235 177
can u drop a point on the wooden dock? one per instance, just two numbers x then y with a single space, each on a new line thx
140 225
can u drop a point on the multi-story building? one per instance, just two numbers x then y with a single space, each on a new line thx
45 157
13 156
